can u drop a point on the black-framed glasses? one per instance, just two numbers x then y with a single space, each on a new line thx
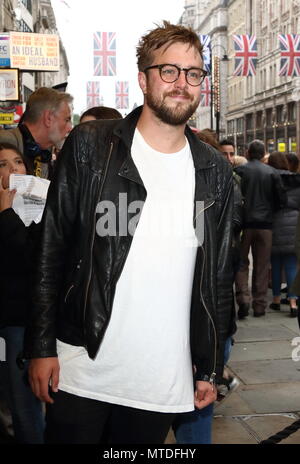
170 73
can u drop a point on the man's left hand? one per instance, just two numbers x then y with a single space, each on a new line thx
205 394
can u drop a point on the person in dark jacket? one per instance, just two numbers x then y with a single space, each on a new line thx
263 192
283 254
17 249
295 287
134 279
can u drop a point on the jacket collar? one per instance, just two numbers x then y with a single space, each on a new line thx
203 154
125 127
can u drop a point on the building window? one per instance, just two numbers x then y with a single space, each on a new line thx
28 5
259 119
261 79
264 79
292 111
23 27
230 127
240 125
249 121
270 145
269 117
26 92
279 114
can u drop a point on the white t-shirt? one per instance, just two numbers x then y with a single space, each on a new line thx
144 359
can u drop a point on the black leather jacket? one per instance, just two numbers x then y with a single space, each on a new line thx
263 193
78 270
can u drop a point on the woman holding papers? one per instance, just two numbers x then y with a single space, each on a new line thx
16 257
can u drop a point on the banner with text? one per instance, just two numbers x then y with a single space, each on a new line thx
34 52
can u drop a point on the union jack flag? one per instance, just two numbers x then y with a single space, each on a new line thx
104 54
290 54
93 94
205 92
245 55
122 95
206 44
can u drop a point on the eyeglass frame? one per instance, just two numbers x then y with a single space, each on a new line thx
179 69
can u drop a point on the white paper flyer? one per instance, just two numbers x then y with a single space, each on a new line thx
30 199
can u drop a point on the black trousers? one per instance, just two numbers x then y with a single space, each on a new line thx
73 419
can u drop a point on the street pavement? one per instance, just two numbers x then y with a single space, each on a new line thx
268 398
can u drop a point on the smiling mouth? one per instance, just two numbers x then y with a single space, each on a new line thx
181 96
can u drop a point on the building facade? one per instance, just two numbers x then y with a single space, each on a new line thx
46 24
266 105
209 17
33 16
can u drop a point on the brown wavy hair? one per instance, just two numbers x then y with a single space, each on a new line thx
166 34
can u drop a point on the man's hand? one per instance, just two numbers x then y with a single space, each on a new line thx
205 394
6 197
42 372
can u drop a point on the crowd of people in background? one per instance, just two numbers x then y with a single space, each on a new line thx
271 193
265 224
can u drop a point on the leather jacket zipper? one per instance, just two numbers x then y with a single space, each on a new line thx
213 374
73 284
204 209
67 293
93 238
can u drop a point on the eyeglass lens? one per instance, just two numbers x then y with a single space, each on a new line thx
170 73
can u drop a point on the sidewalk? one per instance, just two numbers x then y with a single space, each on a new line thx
268 398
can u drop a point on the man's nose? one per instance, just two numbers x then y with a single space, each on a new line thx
181 81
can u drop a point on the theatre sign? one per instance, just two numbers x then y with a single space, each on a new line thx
34 52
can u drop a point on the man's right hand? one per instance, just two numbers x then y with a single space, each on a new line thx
42 373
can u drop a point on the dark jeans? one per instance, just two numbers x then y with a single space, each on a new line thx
26 409
77 420
260 242
289 264
195 427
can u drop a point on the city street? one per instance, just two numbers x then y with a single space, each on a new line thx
268 398
190 108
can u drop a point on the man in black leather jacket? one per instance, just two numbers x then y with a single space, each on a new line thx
123 317
263 193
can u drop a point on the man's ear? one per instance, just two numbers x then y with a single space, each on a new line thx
142 82
47 118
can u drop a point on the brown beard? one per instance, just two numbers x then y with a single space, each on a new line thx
173 116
